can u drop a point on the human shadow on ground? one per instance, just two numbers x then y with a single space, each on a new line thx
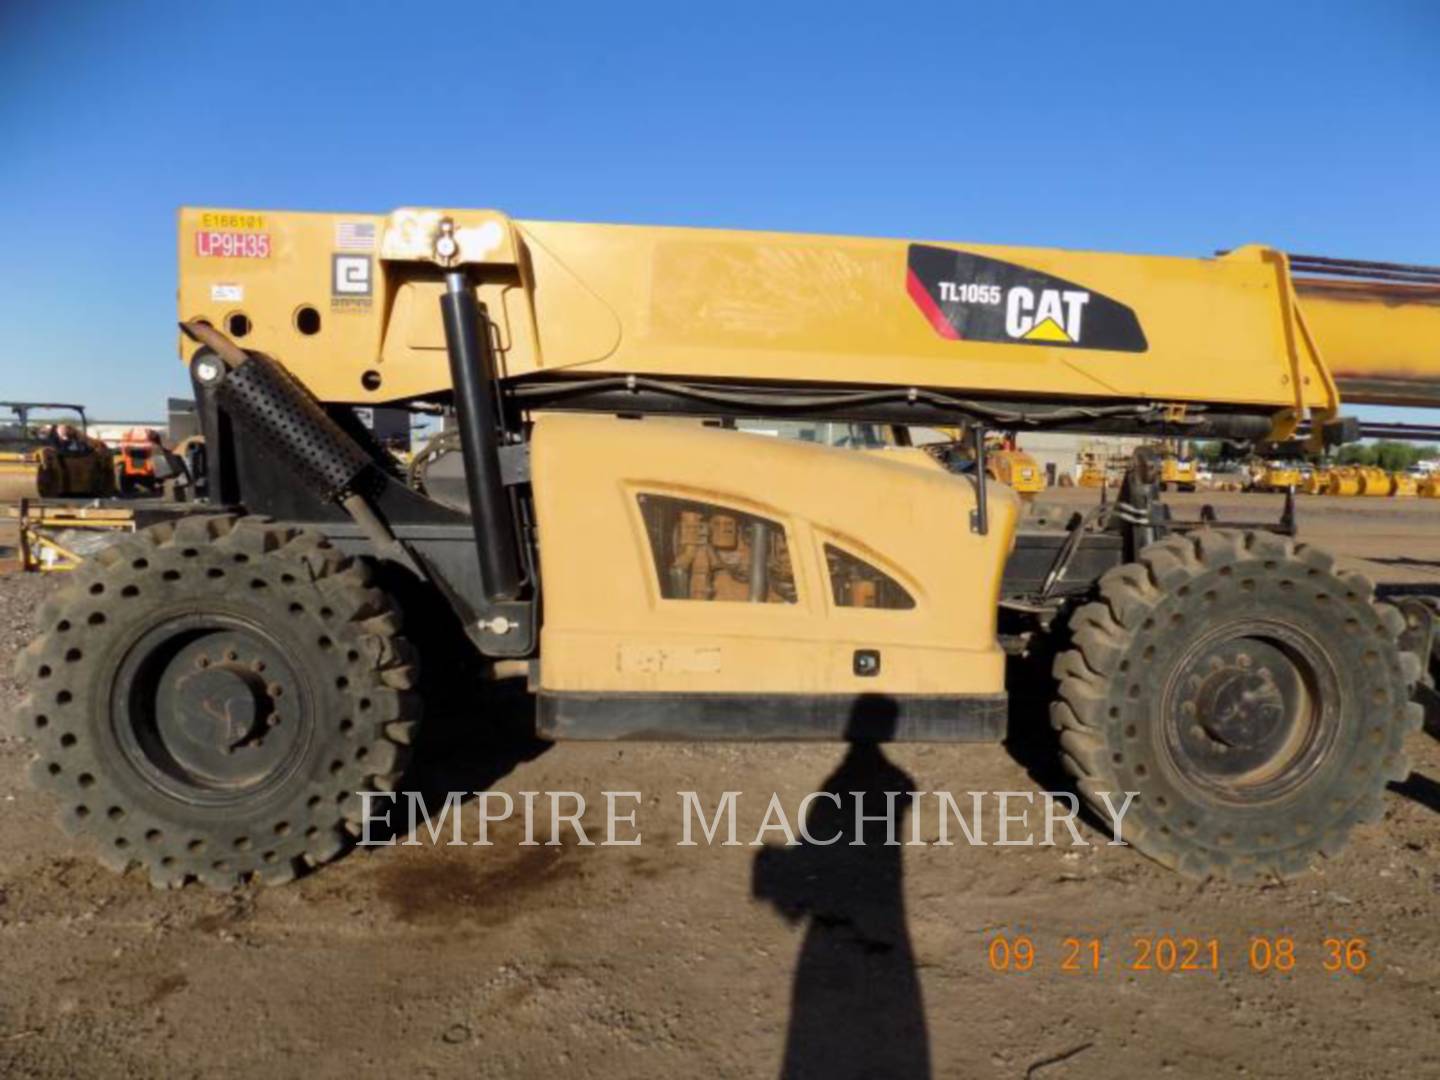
856 1009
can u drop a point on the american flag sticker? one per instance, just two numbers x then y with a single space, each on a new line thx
355 235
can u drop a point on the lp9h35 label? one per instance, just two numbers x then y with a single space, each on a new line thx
973 298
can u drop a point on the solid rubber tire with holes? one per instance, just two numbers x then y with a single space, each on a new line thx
1129 642
341 637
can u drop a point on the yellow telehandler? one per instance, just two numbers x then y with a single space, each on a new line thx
209 697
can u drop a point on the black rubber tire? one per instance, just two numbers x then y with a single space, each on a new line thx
341 640
1130 644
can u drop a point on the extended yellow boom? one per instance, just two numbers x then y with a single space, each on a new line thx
351 303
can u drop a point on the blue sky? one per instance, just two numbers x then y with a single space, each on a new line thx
1149 127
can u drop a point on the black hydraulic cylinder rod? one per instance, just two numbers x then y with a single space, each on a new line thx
980 516
472 373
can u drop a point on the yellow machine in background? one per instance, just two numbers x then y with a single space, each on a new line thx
1017 470
1315 482
1093 473
1179 470
1014 468
1403 484
1344 481
1277 476
46 452
1004 461
1374 482
1097 466
1179 474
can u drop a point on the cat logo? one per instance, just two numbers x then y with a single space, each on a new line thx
968 297
1055 317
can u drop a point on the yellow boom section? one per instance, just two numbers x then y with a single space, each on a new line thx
1378 327
350 303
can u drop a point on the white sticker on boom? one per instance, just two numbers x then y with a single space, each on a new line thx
227 294
354 236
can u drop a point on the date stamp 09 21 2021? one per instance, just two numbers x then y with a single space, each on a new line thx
1021 953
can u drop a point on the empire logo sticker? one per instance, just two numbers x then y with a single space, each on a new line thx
969 297
351 282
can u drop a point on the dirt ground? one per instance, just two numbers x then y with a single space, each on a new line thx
661 960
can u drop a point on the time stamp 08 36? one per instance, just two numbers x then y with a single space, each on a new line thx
1020 953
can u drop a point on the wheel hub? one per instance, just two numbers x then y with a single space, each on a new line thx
222 705
210 708
1242 710
1239 704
